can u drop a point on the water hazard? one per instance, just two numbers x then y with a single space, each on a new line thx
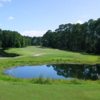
56 71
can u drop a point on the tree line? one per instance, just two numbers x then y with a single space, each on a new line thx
75 37
10 39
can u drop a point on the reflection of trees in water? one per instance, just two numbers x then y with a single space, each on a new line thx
78 71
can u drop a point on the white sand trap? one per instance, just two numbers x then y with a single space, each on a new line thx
39 54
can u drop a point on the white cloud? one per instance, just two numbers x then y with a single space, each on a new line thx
11 18
79 21
2 2
33 33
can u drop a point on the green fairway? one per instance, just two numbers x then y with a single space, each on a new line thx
38 55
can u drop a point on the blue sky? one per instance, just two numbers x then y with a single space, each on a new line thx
35 17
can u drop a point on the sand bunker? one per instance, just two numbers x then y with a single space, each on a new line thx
39 54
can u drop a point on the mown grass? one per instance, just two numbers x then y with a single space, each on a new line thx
27 91
39 55
46 89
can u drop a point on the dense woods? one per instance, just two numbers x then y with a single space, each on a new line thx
10 39
75 37
13 39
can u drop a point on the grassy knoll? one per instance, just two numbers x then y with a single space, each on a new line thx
27 91
38 55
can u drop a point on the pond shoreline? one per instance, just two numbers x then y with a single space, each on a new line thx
51 56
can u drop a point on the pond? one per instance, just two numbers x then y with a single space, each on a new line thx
56 71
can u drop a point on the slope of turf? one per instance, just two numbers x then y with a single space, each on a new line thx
37 55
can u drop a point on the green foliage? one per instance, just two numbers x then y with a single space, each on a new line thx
13 39
75 37
36 41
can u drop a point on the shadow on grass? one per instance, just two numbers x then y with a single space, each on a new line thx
5 54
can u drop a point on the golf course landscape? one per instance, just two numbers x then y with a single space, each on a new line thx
35 89
50 50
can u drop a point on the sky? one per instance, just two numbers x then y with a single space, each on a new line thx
35 17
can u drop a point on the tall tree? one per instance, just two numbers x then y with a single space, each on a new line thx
75 37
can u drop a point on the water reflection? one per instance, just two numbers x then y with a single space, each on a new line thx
56 71
85 72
